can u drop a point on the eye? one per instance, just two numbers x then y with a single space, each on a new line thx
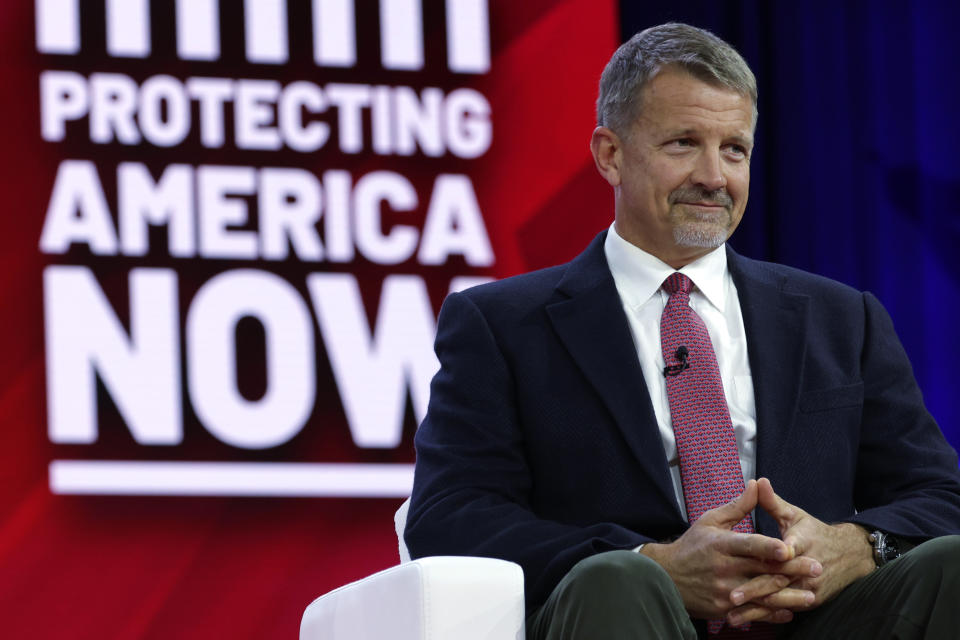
680 144
737 151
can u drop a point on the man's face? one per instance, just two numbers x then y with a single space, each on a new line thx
684 167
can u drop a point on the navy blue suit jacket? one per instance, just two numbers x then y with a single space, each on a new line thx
540 444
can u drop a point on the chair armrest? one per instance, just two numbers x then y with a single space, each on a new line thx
441 597
400 525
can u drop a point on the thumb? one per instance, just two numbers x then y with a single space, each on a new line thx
782 511
728 515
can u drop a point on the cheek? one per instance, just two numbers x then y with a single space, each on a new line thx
669 179
738 186
740 201
653 180
644 187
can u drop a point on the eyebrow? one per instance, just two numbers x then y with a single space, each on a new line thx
746 141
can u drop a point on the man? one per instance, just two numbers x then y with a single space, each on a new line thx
604 423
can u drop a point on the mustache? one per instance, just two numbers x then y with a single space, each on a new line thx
697 194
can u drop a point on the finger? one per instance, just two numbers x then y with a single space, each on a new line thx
756 613
778 616
796 543
756 545
799 567
758 587
789 598
734 511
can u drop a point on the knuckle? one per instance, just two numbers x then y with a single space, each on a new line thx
719 604
717 586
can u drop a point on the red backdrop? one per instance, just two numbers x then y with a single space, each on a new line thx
137 566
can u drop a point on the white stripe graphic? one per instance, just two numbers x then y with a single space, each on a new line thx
265 24
277 479
128 28
334 33
265 29
198 29
401 34
468 36
58 26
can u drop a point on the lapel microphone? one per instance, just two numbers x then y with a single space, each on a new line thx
681 356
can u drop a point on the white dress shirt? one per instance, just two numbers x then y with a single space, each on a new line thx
638 276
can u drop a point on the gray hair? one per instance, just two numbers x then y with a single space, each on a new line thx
637 61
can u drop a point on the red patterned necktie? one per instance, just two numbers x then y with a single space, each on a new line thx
706 444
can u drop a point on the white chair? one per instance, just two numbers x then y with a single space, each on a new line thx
436 598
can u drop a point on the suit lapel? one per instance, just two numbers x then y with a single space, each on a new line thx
776 328
591 323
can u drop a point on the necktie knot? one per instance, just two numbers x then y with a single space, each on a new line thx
677 282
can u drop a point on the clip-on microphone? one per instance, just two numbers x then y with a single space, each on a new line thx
674 369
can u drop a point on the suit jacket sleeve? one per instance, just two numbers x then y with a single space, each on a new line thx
472 485
907 481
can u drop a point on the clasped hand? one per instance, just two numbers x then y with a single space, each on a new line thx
751 577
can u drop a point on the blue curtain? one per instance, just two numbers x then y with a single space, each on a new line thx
856 175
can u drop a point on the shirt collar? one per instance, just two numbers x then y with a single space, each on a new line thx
639 275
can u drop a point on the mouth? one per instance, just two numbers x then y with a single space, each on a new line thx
704 205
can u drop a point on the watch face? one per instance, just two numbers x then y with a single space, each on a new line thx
890 550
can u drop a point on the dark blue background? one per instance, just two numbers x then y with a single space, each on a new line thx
855 174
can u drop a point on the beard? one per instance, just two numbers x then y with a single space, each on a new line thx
701 229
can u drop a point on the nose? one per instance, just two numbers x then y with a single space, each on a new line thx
708 170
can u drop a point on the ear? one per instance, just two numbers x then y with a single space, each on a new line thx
607 154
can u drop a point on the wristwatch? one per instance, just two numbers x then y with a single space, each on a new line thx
885 547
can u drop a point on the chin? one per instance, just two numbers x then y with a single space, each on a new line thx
700 235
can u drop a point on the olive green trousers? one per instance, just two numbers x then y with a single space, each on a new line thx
622 595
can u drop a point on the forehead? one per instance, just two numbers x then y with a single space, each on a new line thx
676 99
